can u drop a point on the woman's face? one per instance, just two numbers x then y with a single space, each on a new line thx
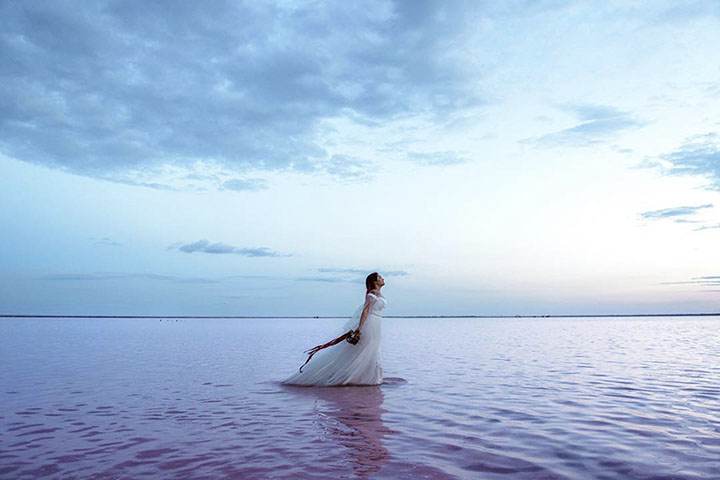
380 281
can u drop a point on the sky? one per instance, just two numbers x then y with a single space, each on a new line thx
261 158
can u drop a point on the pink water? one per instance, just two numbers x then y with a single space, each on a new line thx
463 398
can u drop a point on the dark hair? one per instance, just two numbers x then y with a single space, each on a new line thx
370 281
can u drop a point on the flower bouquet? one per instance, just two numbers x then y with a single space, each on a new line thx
353 336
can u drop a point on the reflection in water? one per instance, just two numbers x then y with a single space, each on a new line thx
352 415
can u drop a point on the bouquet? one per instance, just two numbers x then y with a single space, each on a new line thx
353 336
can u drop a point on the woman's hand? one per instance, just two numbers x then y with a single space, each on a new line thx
354 337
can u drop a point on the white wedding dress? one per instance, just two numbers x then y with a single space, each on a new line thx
345 363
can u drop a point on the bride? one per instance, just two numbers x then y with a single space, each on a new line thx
357 360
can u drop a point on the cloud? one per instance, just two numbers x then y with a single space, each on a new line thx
321 279
358 271
223 248
110 276
105 241
152 93
685 220
351 169
675 212
244 184
394 273
436 158
707 227
698 156
344 270
353 275
103 276
598 123
253 277
705 281
683 12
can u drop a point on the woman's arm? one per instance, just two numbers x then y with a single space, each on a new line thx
366 310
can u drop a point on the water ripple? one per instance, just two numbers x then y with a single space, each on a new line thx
462 398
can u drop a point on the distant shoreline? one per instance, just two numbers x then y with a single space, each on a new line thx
611 315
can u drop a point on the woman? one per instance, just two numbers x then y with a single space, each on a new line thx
346 363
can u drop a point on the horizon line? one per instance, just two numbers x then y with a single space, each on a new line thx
580 315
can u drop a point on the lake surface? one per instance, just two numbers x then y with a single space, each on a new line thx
607 398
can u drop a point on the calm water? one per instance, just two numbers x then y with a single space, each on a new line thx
464 398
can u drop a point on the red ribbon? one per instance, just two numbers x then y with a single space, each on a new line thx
314 350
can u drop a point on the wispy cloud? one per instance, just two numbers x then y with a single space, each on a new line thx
341 277
678 214
436 158
358 271
220 248
351 169
704 281
244 184
698 156
106 242
394 273
353 275
707 227
253 277
598 123
104 276
682 12
355 271
321 279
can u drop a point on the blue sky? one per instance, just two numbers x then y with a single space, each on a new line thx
261 158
